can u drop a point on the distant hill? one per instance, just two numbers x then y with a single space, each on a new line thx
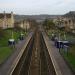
36 17
71 14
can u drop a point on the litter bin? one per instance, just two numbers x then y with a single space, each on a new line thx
58 44
21 37
11 42
65 43
53 37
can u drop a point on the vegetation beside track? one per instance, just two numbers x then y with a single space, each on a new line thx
5 35
50 29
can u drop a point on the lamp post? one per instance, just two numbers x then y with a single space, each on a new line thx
59 41
11 41
12 35
65 36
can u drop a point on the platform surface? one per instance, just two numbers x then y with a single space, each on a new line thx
61 68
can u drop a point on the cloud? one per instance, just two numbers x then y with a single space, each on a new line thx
38 6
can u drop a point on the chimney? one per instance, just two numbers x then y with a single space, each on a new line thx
12 19
4 21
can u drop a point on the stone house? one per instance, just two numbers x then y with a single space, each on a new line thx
24 24
6 20
65 22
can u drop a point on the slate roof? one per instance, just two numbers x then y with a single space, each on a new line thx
8 15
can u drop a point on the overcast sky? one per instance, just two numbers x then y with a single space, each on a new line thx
29 7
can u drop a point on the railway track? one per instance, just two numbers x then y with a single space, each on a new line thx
35 60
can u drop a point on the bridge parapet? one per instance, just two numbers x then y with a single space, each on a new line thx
8 67
61 68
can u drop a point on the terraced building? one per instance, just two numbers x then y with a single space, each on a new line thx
6 20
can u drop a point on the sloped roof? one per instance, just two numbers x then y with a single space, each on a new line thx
70 14
8 15
1 15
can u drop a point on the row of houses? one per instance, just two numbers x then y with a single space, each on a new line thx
68 23
7 20
24 24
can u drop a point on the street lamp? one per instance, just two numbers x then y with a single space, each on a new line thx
11 41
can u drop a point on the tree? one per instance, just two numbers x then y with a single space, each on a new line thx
48 24
2 33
